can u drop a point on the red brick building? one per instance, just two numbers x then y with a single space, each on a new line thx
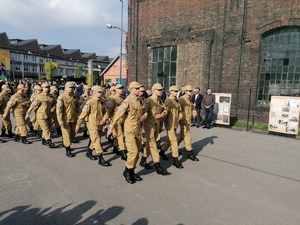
229 45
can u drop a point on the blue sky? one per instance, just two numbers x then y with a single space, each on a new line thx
75 24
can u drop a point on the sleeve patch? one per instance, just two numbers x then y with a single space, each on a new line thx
121 107
85 108
9 103
34 103
59 104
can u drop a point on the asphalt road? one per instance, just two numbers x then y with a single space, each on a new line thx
241 178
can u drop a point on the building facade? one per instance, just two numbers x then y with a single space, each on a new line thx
231 46
27 59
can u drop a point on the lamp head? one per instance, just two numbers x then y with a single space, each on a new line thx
109 26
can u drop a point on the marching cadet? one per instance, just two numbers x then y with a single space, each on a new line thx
112 104
43 105
53 92
6 123
154 110
187 111
173 115
18 103
133 107
82 100
37 90
142 99
67 110
92 114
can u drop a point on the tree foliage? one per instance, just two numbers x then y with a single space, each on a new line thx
78 72
89 79
49 67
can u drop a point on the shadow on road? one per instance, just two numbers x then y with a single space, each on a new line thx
28 215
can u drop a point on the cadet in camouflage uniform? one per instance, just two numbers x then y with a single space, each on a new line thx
154 110
112 104
92 114
133 108
6 123
53 92
67 110
43 104
82 100
18 103
187 111
173 115
37 90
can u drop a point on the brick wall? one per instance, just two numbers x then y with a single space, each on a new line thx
218 41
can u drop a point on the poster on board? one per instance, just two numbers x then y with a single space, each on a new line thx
284 114
222 108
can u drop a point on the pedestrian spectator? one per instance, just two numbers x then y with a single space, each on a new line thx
182 92
196 100
208 107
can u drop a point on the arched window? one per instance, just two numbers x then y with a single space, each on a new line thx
279 72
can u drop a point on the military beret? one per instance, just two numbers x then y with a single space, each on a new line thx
69 84
118 86
45 85
53 88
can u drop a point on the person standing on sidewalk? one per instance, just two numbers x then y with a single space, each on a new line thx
208 107
196 100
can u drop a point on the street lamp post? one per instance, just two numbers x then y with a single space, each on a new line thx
109 26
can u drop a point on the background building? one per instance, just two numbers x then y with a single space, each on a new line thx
230 46
26 59
111 74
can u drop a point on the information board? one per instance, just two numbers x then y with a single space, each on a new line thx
284 114
222 108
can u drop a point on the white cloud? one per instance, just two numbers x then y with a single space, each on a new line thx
71 23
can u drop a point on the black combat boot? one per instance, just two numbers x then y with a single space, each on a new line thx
123 155
58 131
192 157
144 164
136 177
25 141
90 155
10 134
116 151
176 163
102 162
160 170
158 145
162 155
50 144
36 133
44 142
31 129
17 138
2 141
3 134
129 175
68 152
85 133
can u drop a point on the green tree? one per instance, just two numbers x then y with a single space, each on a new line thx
89 79
49 67
78 72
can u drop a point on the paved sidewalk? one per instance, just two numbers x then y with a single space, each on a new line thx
241 178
